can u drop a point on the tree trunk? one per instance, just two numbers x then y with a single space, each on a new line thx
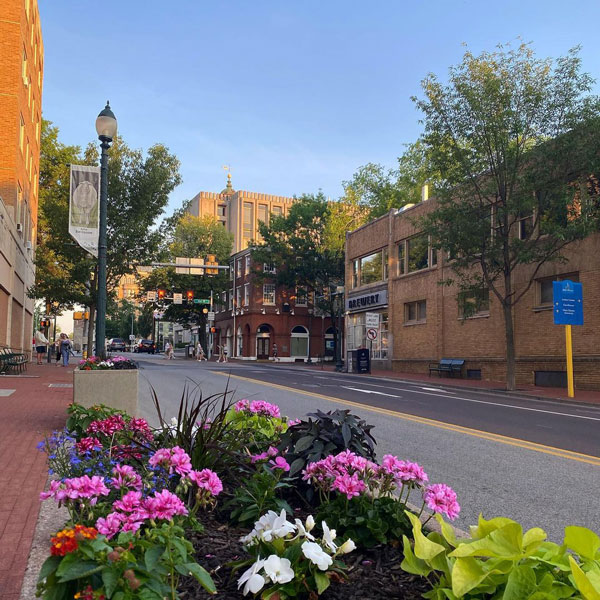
510 347
90 337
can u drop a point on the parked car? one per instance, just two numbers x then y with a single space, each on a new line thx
116 345
145 346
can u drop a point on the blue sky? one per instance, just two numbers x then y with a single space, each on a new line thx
294 95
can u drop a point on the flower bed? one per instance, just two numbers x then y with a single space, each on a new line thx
116 363
235 498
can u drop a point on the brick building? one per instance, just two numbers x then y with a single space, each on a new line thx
21 73
252 316
393 271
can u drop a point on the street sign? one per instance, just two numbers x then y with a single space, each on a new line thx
181 260
371 319
201 301
207 328
567 302
177 298
372 334
131 337
211 316
150 296
196 261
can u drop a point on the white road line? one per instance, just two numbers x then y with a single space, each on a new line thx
370 392
437 390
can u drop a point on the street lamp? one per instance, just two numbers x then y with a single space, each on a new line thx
339 363
106 127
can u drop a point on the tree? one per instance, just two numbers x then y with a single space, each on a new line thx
119 318
191 237
514 139
138 190
307 247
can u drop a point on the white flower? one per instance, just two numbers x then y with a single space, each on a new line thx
302 531
253 580
310 523
328 536
279 528
347 546
317 555
278 569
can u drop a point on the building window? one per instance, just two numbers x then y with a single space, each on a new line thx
525 227
247 266
238 269
474 303
22 134
301 298
269 268
417 254
238 297
433 256
248 221
263 213
415 312
355 271
246 294
299 341
269 294
230 297
231 270
221 210
371 269
385 261
545 294
19 205
277 211
401 258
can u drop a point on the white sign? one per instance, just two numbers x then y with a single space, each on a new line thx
131 337
150 296
372 319
181 260
372 334
84 207
211 316
177 298
207 328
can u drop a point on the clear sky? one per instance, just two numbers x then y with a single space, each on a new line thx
295 95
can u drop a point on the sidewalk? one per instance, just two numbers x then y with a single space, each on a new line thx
549 393
31 409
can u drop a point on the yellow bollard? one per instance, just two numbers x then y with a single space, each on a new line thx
569 340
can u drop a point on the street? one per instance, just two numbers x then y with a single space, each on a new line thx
535 461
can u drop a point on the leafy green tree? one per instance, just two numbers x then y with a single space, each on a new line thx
307 248
119 318
515 140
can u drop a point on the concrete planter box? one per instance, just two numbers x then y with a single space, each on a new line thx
117 389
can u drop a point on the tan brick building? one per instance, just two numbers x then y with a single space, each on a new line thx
393 271
239 211
21 74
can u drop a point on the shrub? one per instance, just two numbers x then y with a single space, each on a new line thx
115 363
325 434
80 418
500 561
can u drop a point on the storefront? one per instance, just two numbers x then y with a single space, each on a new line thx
367 323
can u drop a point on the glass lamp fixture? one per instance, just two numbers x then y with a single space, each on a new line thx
106 123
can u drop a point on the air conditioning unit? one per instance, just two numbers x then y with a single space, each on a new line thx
28 245
20 227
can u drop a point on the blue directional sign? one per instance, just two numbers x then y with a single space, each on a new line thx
567 302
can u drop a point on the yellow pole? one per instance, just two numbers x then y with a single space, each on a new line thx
569 361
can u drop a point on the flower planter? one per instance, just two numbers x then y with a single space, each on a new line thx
111 387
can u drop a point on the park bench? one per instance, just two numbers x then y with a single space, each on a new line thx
10 360
447 365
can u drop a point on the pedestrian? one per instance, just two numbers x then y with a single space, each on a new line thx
200 356
275 353
225 354
40 345
65 349
221 350
169 350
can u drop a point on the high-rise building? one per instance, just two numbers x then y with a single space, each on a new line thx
21 73
239 211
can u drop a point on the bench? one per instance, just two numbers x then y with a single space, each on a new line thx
447 365
10 360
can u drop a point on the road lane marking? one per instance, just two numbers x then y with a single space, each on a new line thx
437 390
371 392
493 437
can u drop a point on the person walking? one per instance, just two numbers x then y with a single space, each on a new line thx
41 344
169 350
221 350
275 353
200 356
65 349
225 354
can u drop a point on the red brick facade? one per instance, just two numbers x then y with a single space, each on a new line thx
423 321
249 321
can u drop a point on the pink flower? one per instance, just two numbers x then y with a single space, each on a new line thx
110 525
280 463
441 498
88 444
129 502
293 422
126 477
350 485
180 461
164 505
242 405
140 426
57 491
86 487
208 480
107 426
272 451
258 457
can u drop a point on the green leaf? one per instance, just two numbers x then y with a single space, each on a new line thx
504 542
584 585
484 527
50 565
152 556
181 548
412 564
201 575
521 583
296 465
467 574
424 548
447 531
67 571
304 443
533 537
322 581
583 541
110 579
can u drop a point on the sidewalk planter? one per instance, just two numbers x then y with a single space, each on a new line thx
112 387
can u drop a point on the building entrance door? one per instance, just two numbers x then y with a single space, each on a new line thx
262 348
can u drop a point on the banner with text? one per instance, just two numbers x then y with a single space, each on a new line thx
84 207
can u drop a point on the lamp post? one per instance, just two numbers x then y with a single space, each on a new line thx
106 127
339 363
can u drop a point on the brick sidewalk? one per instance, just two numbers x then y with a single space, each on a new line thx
29 413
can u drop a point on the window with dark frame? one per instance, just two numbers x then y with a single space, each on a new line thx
417 254
545 289
474 302
415 312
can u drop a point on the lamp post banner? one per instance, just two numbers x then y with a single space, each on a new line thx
84 213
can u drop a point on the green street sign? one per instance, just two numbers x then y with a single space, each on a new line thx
201 301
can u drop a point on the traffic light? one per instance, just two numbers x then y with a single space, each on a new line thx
205 311
211 260
190 296
213 329
44 323
161 294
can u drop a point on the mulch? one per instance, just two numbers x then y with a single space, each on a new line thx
372 575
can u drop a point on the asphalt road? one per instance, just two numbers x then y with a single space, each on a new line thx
536 461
